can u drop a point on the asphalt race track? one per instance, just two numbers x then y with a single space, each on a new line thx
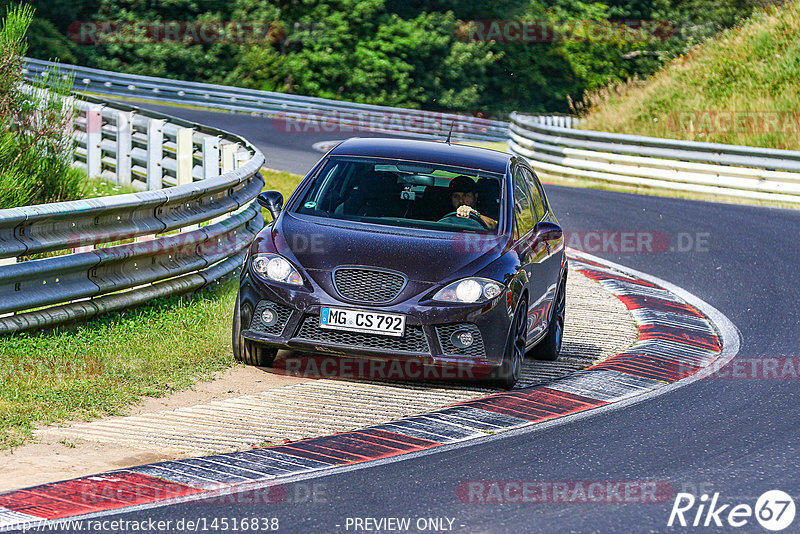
284 151
735 436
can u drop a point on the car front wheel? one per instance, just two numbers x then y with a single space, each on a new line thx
511 367
246 351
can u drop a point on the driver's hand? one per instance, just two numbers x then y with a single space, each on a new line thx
464 211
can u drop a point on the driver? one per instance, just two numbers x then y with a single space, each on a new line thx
464 198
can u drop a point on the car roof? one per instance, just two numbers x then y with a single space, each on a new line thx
425 151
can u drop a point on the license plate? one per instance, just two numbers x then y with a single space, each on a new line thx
363 321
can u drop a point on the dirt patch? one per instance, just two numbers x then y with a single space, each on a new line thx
53 458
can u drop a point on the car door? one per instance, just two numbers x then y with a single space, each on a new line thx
546 255
525 243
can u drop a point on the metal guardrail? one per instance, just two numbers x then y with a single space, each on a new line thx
193 219
732 170
85 257
296 112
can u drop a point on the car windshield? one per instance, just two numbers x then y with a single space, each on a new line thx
405 194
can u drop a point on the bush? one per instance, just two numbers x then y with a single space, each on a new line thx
36 146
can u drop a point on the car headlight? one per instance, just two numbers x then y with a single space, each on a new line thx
469 290
276 268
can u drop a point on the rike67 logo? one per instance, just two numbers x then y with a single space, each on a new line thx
774 510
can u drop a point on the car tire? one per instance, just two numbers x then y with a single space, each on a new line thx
550 346
508 374
246 351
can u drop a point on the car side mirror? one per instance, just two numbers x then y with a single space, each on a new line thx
273 201
546 231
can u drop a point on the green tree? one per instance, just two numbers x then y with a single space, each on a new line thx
47 35
409 53
356 50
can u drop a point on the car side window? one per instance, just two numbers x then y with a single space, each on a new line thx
536 197
522 204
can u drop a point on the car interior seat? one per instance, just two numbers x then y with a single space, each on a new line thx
378 195
488 191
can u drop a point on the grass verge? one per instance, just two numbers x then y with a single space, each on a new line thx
109 363
282 181
93 188
501 146
137 100
739 88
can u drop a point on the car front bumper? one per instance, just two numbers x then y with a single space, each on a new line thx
426 340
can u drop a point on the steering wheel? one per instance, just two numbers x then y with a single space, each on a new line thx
472 217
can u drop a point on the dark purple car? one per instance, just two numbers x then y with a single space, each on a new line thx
398 249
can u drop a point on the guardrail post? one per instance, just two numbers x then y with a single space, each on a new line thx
124 132
83 248
94 136
210 147
183 156
229 157
144 238
155 153
242 157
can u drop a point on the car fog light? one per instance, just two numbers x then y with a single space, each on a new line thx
462 339
269 317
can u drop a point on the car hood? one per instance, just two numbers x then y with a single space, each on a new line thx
435 257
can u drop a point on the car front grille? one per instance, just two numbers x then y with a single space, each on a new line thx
413 340
445 333
368 285
282 312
